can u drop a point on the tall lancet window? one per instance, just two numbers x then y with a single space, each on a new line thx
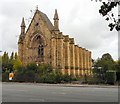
41 51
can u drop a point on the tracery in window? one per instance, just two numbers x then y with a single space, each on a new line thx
41 51
37 47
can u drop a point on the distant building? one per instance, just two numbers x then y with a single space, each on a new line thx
43 42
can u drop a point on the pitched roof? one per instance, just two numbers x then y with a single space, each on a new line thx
45 18
49 24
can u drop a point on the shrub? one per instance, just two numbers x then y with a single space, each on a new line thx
50 78
32 66
111 77
17 64
94 80
68 78
41 74
20 75
5 77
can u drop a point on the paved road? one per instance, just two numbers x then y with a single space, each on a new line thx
18 92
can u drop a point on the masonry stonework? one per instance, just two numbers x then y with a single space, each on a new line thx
43 43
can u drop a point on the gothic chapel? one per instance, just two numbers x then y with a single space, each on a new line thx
43 42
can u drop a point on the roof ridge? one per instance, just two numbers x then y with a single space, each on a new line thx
45 17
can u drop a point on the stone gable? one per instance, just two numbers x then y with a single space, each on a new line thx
44 43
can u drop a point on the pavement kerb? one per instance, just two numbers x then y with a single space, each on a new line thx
67 85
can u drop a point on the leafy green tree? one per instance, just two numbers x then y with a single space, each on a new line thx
16 56
5 62
117 65
11 61
12 56
17 64
5 58
117 69
102 66
106 11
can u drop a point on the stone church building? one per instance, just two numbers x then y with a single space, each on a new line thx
43 42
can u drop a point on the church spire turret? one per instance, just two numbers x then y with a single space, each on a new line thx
56 15
56 21
23 26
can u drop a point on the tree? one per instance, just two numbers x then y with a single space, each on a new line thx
107 57
12 56
117 65
107 62
104 64
17 64
11 61
106 11
31 72
5 62
16 56
5 58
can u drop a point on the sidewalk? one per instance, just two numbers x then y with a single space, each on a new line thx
86 85
67 85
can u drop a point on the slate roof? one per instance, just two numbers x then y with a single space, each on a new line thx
45 18
50 25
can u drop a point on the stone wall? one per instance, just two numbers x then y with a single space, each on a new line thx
59 50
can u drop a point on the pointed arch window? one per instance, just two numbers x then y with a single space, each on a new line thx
41 51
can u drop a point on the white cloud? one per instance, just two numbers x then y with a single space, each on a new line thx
78 18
